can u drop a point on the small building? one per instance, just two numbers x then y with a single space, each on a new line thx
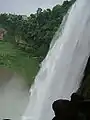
2 33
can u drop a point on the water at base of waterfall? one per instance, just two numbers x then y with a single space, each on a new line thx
14 97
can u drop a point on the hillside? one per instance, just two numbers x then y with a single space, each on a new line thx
27 39
19 61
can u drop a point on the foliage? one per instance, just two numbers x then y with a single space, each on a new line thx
17 60
28 38
34 33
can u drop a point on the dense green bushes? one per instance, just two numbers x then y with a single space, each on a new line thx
34 33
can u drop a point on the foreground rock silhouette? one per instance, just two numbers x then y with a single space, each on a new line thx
6 119
76 109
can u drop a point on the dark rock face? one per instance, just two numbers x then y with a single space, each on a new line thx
84 89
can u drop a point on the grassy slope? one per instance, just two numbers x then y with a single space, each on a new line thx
18 61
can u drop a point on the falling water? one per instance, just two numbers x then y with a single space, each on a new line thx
61 71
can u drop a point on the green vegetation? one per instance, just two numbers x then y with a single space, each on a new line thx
33 34
28 38
18 61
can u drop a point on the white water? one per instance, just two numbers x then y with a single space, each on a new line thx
14 96
61 71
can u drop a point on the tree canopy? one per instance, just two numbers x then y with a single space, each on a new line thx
33 34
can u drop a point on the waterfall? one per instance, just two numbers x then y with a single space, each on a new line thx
62 69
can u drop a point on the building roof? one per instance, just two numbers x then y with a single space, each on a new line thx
2 30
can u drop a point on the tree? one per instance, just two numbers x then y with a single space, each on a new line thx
37 30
